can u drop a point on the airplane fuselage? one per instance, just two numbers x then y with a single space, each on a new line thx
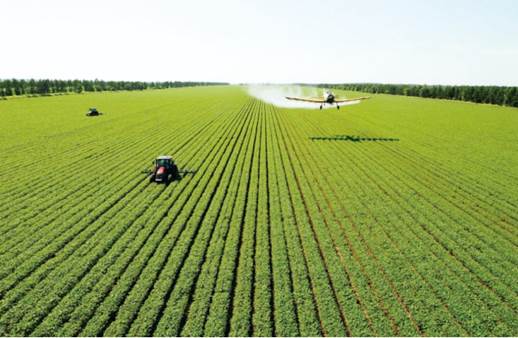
329 97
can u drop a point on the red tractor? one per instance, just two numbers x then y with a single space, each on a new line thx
165 170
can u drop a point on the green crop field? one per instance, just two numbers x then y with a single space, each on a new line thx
396 216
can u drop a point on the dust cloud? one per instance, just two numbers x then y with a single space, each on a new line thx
276 95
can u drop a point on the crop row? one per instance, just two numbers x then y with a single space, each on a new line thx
89 228
153 226
81 177
122 305
275 233
357 162
37 243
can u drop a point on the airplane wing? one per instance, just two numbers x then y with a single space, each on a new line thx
305 99
349 100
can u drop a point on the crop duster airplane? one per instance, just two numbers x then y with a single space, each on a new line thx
327 98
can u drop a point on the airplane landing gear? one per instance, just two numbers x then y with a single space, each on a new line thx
337 107
320 107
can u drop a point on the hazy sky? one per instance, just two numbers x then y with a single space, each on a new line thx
396 41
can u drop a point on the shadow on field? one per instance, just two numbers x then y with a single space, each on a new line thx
353 138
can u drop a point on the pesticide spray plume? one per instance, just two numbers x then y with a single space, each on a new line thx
276 95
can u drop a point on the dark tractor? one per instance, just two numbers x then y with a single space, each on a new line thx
165 170
93 112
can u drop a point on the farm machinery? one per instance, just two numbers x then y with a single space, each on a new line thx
93 112
165 170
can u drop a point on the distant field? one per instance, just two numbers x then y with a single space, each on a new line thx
396 216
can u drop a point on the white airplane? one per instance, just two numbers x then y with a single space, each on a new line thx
327 98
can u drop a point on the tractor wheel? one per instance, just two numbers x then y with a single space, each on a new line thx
175 173
151 178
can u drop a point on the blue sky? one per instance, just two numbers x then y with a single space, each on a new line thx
397 41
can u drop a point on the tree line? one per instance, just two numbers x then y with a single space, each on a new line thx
504 96
12 87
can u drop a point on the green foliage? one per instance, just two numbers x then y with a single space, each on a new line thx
43 87
396 216
503 96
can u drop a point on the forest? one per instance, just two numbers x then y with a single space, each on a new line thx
32 87
503 96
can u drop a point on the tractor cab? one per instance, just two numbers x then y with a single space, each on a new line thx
165 170
163 161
